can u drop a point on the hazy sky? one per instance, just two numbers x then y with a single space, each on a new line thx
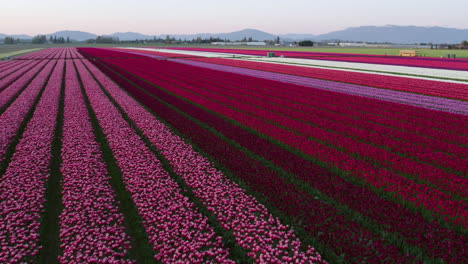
215 16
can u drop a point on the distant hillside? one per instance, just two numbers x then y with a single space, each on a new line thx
398 34
73 35
237 35
233 36
2 36
298 37
130 36
389 33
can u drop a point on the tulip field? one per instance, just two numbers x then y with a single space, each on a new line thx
127 155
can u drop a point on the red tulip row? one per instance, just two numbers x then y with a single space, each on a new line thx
377 130
320 219
266 123
324 113
392 217
91 226
175 228
222 88
22 186
404 113
254 227
427 87
453 64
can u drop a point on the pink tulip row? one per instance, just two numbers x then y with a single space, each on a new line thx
91 227
13 66
11 78
177 232
22 186
254 227
22 79
11 119
50 53
8 64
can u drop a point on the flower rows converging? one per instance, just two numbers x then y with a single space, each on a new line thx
112 155
22 185
254 228
192 84
91 226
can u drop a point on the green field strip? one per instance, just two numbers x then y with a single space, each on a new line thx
17 53
50 224
237 253
141 249
393 238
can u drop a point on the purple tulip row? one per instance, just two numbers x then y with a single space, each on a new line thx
430 102
177 232
254 227
91 227
23 78
11 119
22 186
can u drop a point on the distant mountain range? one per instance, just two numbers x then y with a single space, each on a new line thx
399 34
389 33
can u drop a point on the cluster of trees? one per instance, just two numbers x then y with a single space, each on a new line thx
39 39
103 40
10 40
462 45
167 40
59 40
42 39
306 43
